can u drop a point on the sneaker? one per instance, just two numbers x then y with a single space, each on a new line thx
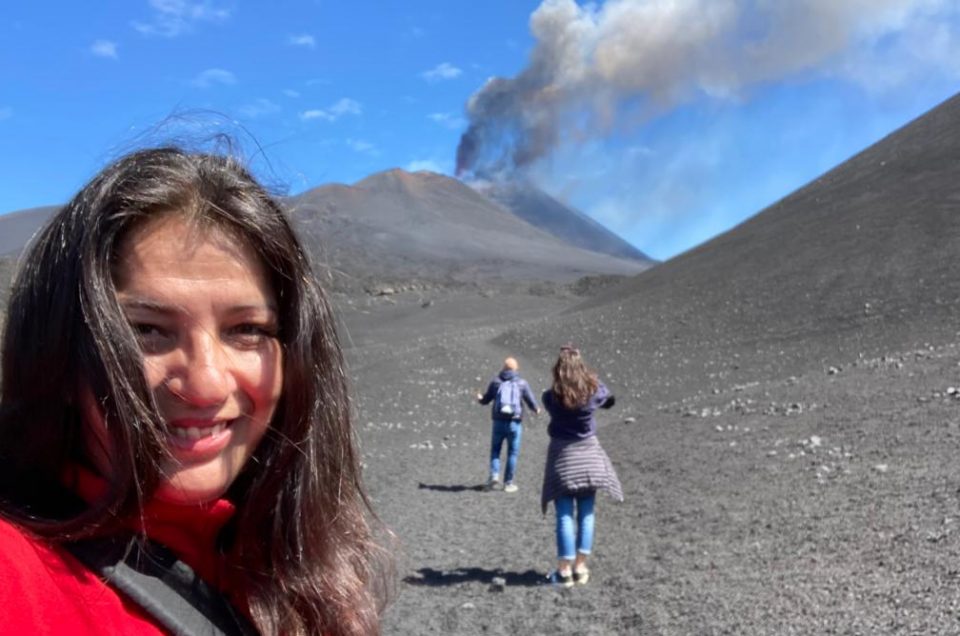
493 483
510 487
581 575
560 579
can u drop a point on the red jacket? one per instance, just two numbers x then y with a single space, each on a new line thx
45 590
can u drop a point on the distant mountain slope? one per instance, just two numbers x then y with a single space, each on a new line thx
543 211
16 228
7 265
427 225
862 260
397 224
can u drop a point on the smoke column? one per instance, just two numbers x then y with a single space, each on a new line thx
595 67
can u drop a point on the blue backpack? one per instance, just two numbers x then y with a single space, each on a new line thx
507 403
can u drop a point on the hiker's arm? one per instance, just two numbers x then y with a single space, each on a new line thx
529 399
547 400
603 397
486 397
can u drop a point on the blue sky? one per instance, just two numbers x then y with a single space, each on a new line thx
669 122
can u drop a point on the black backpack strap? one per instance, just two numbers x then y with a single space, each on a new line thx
165 587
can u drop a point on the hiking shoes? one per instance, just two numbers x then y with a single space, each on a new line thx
510 487
561 579
581 575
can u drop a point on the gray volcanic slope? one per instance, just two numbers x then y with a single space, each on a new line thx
541 210
400 224
16 228
861 260
785 428
7 266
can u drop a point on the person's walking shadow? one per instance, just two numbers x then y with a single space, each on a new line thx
450 488
436 578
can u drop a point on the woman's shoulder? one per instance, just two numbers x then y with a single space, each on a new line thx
599 396
25 567
25 560
549 399
45 590
15 544
32 562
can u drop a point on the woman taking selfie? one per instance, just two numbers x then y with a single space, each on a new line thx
174 408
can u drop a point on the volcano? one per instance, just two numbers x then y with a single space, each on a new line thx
396 226
429 226
541 210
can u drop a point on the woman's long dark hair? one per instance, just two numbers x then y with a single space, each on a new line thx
301 541
574 383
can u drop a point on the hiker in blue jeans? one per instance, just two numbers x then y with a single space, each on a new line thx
508 392
577 466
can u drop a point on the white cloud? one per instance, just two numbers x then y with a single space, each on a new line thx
291 93
316 113
423 164
259 108
170 18
212 76
361 146
343 106
104 48
304 40
6 113
447 120
444 71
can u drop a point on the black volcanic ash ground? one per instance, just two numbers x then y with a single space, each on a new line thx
816 502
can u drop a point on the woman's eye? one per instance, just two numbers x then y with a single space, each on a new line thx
144 330
152 338
252 334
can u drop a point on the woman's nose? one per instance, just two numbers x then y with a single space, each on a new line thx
205 378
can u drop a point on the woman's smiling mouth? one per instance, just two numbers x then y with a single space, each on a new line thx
201 436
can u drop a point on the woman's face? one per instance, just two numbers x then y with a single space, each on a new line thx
201 303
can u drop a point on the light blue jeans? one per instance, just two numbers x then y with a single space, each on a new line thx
570 539
510 431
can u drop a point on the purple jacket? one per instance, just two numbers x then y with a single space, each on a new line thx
576 423
526 394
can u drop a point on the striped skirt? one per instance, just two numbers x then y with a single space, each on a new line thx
575 466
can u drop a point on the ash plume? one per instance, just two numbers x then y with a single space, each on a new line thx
596 67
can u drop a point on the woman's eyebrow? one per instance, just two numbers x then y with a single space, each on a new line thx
146 304
242 309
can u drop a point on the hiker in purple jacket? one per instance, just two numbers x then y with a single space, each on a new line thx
577 466
508 392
